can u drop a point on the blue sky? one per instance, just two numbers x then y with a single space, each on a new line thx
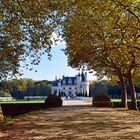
48 70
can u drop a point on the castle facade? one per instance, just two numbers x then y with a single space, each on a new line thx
72 86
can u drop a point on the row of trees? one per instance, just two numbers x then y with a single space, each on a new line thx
104 36
28 87
113 90
25 87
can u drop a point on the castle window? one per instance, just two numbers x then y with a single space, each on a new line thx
75 82
64 82
70 82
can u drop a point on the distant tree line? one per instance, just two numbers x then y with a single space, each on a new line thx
18 88
25 87
113 90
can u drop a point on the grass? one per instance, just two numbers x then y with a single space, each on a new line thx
118 100
22 102
115 100
38 101
5 121
129 100
42 101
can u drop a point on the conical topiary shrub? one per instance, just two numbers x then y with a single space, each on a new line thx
101 100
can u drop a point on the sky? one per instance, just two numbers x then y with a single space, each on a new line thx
56 67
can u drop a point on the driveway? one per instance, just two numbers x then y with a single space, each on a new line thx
74 123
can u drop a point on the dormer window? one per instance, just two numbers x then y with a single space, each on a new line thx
64 82
70 82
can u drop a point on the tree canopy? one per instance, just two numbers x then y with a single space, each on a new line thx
105 38
25 32
19 88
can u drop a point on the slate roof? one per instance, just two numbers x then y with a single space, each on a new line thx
67 79
83 78
55 83
73 79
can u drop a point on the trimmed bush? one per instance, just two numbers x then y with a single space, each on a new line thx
53 101
116 104
101 100
18 109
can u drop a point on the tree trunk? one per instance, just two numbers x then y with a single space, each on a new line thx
123 92
132 92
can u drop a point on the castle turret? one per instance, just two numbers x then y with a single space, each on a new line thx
83 77
86 76
78 77
85 84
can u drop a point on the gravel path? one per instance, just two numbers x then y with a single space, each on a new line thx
74 123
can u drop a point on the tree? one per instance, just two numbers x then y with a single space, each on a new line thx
26 29
25 87
104 40
25 32
4 93
111 28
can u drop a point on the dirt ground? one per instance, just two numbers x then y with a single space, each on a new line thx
74 123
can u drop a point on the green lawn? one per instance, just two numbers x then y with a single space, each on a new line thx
22 101
115 100
42 101
118 100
